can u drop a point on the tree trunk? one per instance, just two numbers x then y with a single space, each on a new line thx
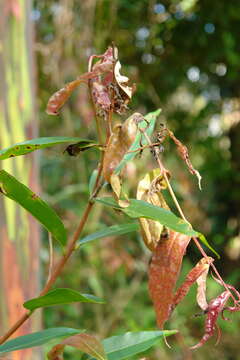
19 235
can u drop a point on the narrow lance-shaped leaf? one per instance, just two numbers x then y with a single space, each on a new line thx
132 343
109 231
164 271
15 190
140 208
28 146
198 272
61 296
37 339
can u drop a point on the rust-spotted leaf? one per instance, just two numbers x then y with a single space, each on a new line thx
164 271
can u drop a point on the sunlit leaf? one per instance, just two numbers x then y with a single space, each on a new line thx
37 339
60 296
150 190
28 146
15 190
110 231
132 343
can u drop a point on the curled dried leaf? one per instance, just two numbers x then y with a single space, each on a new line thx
164 271
150 190
56 353
183 152
215 307
198 272
119 143
59 98
87 344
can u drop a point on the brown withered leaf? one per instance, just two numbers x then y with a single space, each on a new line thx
122 137
150 190
201 287
164 271
198 272
105 65
183 152
87 344
215 307
56 353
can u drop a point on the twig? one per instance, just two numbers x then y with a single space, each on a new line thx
50 266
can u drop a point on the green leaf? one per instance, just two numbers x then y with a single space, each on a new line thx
140 208
129 344
110 231
15 190
28 146
37 339
92 181
61 296
151 118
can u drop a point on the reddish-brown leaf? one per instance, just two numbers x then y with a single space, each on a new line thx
201 269
215 307
87 344
56 353
164 271
183 152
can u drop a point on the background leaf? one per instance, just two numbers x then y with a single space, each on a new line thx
15 190
123 346
28 146
60 296
110 231
37 339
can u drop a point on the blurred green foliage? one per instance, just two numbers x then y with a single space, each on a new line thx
184 56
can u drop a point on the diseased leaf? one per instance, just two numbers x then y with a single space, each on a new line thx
132 343
37 339
56 353
60 296
59 98
87 344
201 286
109 231
164 271
150 190
198 272
183 152
28 146
15 190
149 126
215 307
119 143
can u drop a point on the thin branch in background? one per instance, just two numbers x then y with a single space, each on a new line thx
50 266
